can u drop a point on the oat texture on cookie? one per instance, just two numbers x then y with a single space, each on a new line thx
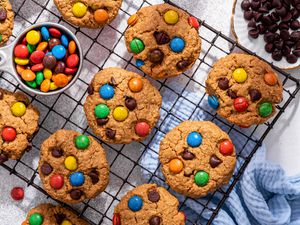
148 204
18 123
164 40
48 214
89 13
197 157
6 21
73 167
122 106
243 89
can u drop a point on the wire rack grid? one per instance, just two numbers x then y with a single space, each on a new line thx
184 98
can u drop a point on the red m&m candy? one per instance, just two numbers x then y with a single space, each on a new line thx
142 129
194 22
56 181
54 32
9 134
72 61
17 193
226 147
240 104
21 51
116 219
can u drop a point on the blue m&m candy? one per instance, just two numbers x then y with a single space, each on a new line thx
135 203
59 51
77 179
107 91
139 63
45 34
177 44
213 102
64 41
194 139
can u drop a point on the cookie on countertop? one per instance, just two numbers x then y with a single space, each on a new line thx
18 123
73 167
243 89
89 13
6 21
148 204
122 106
164 40
48 214
197 157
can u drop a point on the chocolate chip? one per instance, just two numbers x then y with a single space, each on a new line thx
253 33
187 155
113 82
245 5
283 26
46 169
289 43
255 5
75 194
255 95
56 152
248 15
286 50
274 17
90 89
155 220
291 58
295 36
29 147
232 94
181 65
223 83
1 95
3 14
53 42
287 17
252 23
273 27
59 217
268 5
130 103
161 37
262 29
277 55
295 25
49 61
214 161
295 14
3 158
296 52
156 56
269 37
276 4
153 196
278 44
94 175
269 47
256 15
281 11
60 67
284 34
263 9
297 45
266 20
101 122
110 133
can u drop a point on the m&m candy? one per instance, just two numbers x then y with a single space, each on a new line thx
176 166
226 147
171 17
71 163
240 75
18 109
135 203
9 134
137 46
142 129
107 92
265 109
213 102
136 84
101 16
194 139
77 179
120 113
79 9
36 219
177 44
56 181
82 142
17 193
240 104
201 178
102 111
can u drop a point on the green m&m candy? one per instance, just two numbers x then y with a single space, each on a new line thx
265 109
201 178
39 77
31 84
82 142
31 48
137 45
102 111
36 219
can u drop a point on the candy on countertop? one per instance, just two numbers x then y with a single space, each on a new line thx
17 193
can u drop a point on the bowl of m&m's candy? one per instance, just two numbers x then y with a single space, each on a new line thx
47 58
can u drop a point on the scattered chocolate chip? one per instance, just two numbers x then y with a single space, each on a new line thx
59 217
1 95
295 25
187 155
153 196
296 52
269 47
284 34
283 26
155 220
130 103
295 36
278 44
3 158
113 82
274 17
214 161
289 43
232 94
223 83
262 29
273 27
161 37
255 95
110 133
57 152
46 168
248 15
253 33
281 11
287 17
256 15
60 67
245 5
269 37
3 14
75 194
156 56
291 58
285 50
295 14
94 175
101 122
277 55
266 20
181 65
255 5
252 23
90 89
276 4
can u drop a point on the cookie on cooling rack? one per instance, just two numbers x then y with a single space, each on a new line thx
48 214
73 167
243 89
197 157
6 21
122 106
148 204
164 40
89 13
18 122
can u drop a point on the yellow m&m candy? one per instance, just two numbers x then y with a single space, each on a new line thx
79 9
47 73
33 37
240 75
120 113
171 17
66 222
71 163
18 109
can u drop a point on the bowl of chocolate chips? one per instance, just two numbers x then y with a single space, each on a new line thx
270 28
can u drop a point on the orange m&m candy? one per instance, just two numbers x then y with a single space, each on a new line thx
132 20
72 47
28 75
60 80
20 69
270 79
101 16
136 84
176 166
45 85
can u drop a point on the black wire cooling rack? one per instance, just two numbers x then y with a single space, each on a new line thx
188 90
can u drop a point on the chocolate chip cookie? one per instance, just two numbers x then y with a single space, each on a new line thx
122 106
197 157
6 21
73 167
89 13
164 40
243 89
48 214
18 122
148 204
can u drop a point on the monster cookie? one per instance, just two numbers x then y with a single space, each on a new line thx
197 157
6 21
164 40
89 13
18 123
47 214
73 167
243 89
148 204
122 106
